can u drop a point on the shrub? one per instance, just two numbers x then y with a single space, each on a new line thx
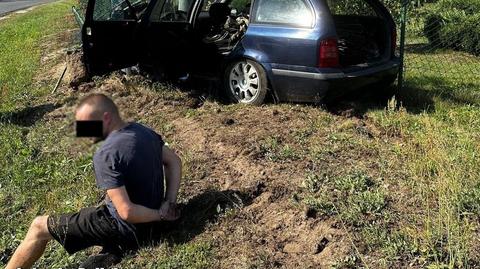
469 6
454 24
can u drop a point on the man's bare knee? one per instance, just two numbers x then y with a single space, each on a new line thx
39 229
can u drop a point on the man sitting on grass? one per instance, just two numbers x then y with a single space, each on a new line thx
130 165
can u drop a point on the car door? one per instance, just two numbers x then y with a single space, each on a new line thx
168 34
108 36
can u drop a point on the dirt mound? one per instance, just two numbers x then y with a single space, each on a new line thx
76 72
271 226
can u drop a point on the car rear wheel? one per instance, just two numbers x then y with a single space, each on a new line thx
246 82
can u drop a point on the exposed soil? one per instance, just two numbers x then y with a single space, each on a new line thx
270 226
76 72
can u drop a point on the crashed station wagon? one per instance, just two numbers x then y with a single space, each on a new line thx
295 50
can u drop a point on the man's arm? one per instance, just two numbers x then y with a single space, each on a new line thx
130 212
173 172
134 213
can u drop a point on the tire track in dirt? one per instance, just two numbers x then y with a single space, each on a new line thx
271 231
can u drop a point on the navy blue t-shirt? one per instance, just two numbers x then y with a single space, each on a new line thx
131 157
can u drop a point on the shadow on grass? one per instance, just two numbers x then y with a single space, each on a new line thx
457 91
417 96
197 213
201 210
28 116
356 104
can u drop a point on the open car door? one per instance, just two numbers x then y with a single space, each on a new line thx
168 36
108 36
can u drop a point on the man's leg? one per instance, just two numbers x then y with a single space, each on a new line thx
33 246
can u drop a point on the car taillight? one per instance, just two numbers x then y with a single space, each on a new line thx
328 53
394 41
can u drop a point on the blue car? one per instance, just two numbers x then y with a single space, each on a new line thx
292 50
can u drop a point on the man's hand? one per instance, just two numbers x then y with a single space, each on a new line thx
169 211
128 211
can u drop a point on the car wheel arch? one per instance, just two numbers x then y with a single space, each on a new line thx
266 67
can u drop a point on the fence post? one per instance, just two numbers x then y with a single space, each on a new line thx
403 22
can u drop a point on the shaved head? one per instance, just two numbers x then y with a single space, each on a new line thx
99 107
96 105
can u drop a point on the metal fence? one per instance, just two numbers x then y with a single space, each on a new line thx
440 44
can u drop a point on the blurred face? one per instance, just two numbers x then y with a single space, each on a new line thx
87 113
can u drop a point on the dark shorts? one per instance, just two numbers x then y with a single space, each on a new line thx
93 226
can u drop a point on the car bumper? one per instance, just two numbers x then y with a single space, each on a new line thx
308 86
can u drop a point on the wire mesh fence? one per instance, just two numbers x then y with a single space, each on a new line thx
442 44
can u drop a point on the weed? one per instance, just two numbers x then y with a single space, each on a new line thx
321 205
273 150
313 182
349 262
354 183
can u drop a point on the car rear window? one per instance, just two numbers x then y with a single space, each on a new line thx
351 7
290 12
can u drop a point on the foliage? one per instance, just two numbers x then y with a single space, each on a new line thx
240 5
454 24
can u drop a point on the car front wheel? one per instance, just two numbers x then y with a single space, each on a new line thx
246 82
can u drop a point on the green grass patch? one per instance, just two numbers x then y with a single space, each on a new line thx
40 174
438 147
22 37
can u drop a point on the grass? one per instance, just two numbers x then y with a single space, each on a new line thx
442 159
22 37
439 148
424 205
35 179
195 256
404 179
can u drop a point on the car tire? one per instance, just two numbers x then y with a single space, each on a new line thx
245 81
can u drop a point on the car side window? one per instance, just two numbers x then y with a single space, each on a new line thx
291 12
351 8
111 10
171 11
